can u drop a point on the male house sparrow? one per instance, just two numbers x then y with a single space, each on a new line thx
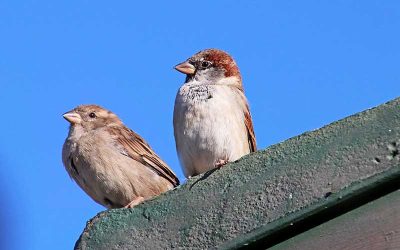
212 121
110 162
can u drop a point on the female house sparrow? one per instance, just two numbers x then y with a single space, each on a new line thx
212 121
110 162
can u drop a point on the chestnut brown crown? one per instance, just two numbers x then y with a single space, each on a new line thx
210 59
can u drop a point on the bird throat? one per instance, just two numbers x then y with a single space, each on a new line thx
196 92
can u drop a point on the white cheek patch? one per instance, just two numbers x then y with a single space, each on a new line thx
232 80
204 77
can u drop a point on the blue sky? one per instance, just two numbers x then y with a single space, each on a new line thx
304 65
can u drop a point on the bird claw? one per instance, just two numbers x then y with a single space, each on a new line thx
220 163
135 202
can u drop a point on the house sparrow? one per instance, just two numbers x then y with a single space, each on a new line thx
212 121
110 162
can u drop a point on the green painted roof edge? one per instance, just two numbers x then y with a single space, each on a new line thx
364 191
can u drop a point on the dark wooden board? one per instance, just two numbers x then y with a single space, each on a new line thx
374 226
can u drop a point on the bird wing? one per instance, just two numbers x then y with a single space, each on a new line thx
250 130
251 136
136 148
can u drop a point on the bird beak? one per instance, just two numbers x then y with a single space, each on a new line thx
72 117
186 68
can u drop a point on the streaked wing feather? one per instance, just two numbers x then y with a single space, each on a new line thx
139 150
248 121
250 130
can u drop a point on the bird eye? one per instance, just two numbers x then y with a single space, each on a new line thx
205 64
92 115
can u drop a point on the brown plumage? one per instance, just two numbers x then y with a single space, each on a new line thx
110 162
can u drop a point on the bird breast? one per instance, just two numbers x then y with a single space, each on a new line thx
209 126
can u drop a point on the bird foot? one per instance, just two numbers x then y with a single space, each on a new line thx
135 202
220 163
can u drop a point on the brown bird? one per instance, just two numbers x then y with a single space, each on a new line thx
110 162
212 121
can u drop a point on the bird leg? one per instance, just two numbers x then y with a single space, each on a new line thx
135 202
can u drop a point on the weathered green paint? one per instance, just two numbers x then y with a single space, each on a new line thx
375 225
350 197
222 208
